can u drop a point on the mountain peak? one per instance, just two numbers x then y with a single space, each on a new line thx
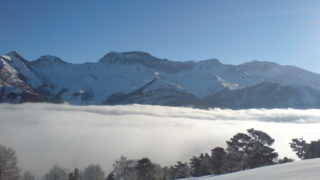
145 59
49 60
159 83
210 61
260 66
258 62
114 56
15 55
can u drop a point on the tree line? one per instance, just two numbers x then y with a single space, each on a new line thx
243 151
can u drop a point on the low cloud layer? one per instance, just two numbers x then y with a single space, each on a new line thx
75 136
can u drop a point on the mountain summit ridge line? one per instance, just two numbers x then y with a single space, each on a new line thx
205 83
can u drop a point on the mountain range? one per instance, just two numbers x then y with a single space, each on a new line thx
140 78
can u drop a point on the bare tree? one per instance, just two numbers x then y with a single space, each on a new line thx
8 164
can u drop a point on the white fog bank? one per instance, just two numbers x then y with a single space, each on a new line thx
75 136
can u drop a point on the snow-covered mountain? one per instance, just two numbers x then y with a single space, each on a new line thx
266 95
17 80
138 77
157 92
306 170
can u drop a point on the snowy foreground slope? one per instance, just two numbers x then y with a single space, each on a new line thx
302 170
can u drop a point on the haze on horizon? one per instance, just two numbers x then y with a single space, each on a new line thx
232 31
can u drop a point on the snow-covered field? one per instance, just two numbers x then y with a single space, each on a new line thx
75 136
301 170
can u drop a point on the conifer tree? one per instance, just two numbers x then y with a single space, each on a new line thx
251 150
218 155
145 169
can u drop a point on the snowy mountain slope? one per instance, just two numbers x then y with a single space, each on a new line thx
96 80
125 73
17 80
16 71
266 95
284 75
156 92
306 170
186 74
130 71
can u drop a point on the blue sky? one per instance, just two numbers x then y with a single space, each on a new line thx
233 31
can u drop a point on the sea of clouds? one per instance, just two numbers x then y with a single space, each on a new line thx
75 136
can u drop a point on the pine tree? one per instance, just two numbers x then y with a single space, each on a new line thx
218 156
93 172
180 170
166 173
77 175
195 166
205 165
145 169
56 173
251 150
315 149
70 176
110 177
124 168
305 150
28 176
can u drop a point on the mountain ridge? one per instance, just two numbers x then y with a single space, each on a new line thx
126 72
